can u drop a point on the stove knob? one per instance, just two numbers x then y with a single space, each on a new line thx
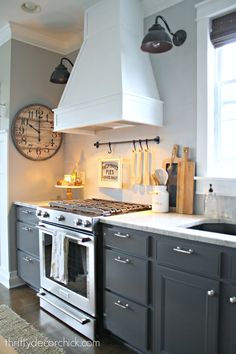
46 215
87 223
60 217
78 222
39 213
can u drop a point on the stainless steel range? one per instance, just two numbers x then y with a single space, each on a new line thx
68 254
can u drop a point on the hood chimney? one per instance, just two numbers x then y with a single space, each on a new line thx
111 84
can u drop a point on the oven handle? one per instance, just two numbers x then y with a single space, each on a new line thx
83 321
79 239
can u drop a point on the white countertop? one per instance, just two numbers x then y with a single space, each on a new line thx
173 225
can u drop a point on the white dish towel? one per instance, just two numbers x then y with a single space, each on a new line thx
59 261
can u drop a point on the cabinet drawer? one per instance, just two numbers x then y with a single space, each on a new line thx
132 241
127 275
190 257
28 269
27 238
27 215
127 320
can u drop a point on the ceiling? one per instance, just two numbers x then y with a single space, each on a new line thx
59 20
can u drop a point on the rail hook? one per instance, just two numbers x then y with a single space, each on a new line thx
140 144
110 149
134 145
147 147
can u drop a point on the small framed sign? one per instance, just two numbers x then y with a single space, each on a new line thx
110 173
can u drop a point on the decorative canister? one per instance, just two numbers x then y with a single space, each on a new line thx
160 199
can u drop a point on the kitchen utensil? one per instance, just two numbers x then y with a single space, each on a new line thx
173 158
133 166
171 166
162 176
139 171
154 178
185 184
146 175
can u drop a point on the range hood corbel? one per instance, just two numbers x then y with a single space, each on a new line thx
111 84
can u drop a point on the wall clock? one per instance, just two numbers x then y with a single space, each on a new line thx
32 132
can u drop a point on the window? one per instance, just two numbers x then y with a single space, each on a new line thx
225 109
216 90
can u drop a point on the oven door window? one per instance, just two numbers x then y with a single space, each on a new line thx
77 265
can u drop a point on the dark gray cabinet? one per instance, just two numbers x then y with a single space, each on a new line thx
187 313
127 293
166 295
27 238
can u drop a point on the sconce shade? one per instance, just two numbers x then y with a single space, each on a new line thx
157 40
60 75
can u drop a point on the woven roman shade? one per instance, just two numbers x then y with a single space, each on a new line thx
223 30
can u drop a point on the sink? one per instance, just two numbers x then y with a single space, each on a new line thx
221 228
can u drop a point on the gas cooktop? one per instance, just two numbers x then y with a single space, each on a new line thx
99 207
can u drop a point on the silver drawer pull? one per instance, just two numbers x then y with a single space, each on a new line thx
211 293
119 304
120 260
28 259
25 228
122 236
180 250
232 300
27 212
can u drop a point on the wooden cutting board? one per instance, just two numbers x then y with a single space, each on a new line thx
171 166
185 184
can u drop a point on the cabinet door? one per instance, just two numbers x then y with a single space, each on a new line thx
228 320
186 313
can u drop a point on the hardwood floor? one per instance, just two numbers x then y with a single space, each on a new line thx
24 302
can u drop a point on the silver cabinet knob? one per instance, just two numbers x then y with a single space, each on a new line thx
211 293
232 300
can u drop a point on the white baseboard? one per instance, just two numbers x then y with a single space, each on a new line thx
10 279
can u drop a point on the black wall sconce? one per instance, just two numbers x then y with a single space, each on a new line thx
61 75
157 40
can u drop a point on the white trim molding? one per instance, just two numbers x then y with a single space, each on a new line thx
10 279
222 186
5 34
41 40
154 7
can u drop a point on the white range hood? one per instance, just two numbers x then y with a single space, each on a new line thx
111 84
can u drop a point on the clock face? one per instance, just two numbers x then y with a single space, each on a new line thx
32 132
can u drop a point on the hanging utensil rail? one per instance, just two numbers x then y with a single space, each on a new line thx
140 141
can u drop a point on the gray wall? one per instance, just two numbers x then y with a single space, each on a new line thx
31 180
175 73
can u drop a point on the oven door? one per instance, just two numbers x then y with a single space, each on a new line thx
80 288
